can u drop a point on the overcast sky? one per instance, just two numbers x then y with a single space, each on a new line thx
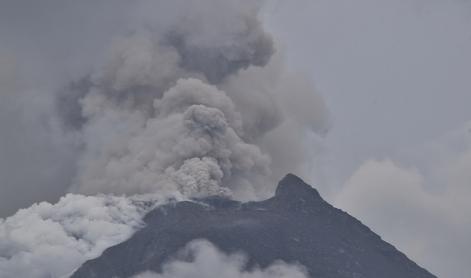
396 76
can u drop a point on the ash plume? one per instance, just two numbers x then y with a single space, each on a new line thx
160 98
174 110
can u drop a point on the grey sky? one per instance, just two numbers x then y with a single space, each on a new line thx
396 79
405 62
395 75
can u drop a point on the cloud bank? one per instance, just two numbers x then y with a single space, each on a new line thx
48 240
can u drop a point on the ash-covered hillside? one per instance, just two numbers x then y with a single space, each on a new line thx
296 226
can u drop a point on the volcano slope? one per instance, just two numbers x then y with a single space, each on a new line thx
295 226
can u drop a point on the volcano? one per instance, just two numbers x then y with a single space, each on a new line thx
295 226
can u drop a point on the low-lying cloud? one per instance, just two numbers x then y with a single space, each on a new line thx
51 240
201 259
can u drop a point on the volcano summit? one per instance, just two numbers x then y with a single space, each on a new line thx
295 226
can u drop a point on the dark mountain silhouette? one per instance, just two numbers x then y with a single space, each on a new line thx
296 226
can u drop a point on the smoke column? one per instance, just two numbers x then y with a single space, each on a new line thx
191 104
190 99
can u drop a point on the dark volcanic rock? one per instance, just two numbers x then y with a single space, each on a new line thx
296 226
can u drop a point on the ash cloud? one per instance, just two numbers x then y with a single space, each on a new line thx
191 146
35 156
173 108
92 97
157 98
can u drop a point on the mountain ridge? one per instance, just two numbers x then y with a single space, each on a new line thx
295 226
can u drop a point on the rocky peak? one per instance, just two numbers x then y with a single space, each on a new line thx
295 226
294 191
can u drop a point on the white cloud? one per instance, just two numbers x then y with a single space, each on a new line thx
201 259
430 224
48 240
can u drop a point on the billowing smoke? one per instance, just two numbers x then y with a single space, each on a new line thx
96 101
192 145
189 99
201 259
172 109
